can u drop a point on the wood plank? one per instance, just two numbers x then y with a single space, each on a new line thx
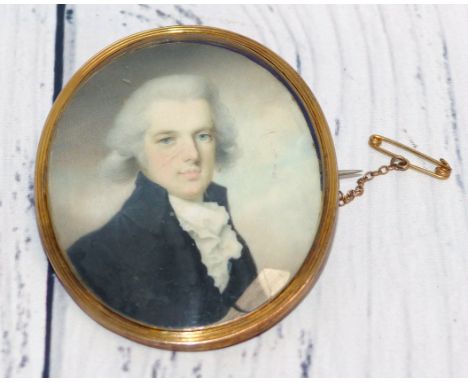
27 62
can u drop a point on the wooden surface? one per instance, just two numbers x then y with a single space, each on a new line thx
393 299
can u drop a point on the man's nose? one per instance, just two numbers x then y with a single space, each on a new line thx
190 150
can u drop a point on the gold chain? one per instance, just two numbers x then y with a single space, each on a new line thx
396 163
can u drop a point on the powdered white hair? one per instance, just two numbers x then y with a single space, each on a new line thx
125 139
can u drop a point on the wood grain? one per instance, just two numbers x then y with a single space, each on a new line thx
26 59
393 299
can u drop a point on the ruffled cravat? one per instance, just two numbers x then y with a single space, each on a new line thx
207 224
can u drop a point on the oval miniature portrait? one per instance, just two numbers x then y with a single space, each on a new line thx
186 188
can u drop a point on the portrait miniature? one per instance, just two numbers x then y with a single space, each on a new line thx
185 185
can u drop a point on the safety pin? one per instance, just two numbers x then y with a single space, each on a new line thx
441 171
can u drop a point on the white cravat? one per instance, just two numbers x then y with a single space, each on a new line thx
207 224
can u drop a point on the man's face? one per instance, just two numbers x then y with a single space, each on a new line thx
180 146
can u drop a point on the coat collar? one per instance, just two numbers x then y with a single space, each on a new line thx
149 208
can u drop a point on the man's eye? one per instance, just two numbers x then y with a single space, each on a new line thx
166 141
204 137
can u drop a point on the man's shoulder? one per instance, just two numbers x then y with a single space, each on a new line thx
106 236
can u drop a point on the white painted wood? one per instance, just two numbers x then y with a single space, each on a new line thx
26 78
393 299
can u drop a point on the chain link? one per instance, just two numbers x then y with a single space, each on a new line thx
397 163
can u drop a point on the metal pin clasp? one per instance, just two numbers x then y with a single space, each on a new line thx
441 171
349 173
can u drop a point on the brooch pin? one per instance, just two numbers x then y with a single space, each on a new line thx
187 187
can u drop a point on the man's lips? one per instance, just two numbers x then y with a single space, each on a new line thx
191 174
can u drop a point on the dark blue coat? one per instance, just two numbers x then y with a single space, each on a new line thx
144 265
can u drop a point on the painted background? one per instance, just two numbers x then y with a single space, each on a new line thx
393 298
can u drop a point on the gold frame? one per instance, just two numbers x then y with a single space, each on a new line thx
242 328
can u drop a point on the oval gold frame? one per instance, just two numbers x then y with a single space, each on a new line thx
242 328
